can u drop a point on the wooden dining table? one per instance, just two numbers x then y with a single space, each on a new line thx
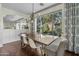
45 42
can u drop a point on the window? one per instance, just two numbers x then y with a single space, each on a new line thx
50 24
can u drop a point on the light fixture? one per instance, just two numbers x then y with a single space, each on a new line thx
41 4
32 15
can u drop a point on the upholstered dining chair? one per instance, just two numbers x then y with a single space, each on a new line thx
57 48
61 48
33 46
24 40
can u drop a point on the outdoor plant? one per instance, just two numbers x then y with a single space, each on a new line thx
45 28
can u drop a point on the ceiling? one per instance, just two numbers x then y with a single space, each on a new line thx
26 8
11 18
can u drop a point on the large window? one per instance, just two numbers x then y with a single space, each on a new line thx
50 24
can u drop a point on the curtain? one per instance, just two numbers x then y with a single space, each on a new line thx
72 26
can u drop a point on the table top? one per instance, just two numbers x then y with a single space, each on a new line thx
45 41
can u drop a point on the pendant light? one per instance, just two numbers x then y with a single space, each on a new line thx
32 15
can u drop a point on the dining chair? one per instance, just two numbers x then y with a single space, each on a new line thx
38 50
57 48
24 40
61 48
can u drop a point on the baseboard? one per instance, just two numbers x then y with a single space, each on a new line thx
10 42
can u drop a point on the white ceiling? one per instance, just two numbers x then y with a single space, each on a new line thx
26 7
11 18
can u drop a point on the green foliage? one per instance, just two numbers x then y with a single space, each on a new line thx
54 33
47 18
55 20
45 28
59 31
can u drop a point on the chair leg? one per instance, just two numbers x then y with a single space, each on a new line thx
23 45
45 52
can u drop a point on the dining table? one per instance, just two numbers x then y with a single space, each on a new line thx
46 41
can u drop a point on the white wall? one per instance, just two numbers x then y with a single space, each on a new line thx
1 26
9 35
1 21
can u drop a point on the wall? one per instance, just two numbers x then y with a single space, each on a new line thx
1 24
1 21
9 35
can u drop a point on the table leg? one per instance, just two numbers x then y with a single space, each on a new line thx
44 51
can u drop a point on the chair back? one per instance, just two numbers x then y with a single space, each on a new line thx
24 38
32 44
61 48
